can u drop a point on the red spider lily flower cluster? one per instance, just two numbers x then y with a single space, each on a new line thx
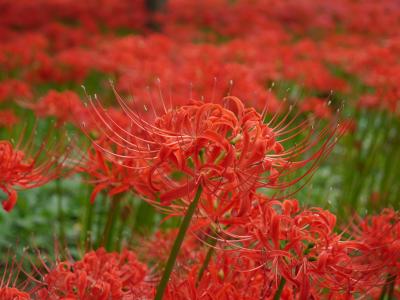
271 245
99 275
381 234
108 175
227 149
301 247
65 106
21 169
8 118
61 52
279 243
13 294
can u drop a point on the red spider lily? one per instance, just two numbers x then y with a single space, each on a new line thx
8 118
303 248
65 106
157 247
228 150
14 88
318 106
381 233
99 275
107 175
222 279
19 169
13 294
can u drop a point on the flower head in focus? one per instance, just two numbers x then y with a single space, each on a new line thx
228 149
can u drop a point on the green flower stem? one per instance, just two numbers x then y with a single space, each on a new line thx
60 213
101 219
210 252
391 287
280 289
124 217
177 245
388 288
108 233
87 225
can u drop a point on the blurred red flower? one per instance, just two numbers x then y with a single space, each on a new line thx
21 169
99 275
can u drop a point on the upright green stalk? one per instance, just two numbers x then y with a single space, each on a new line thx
60 213
280 289
391 287
388 288
110 223
87 225
177 245
204 266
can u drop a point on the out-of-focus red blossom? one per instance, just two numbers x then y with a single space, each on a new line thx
99 275
107 175
381 233
303 248
318 106
21 170
7 293
60 51
14 88
223 280
8 118
156 249
370 102
65 106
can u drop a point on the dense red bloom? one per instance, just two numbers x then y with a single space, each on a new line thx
107 175
13 294
318 106
156 249
224 280
99 275
381 233
8 118
227 149
65 106
20 169
302 248
14 88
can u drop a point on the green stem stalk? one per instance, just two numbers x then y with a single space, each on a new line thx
110 223
391 287
60 213
87 225
213 241
388 288
177 245
280 289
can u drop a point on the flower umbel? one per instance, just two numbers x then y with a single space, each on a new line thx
21 169
99 275
225 147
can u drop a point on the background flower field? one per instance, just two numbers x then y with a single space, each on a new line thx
325 62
